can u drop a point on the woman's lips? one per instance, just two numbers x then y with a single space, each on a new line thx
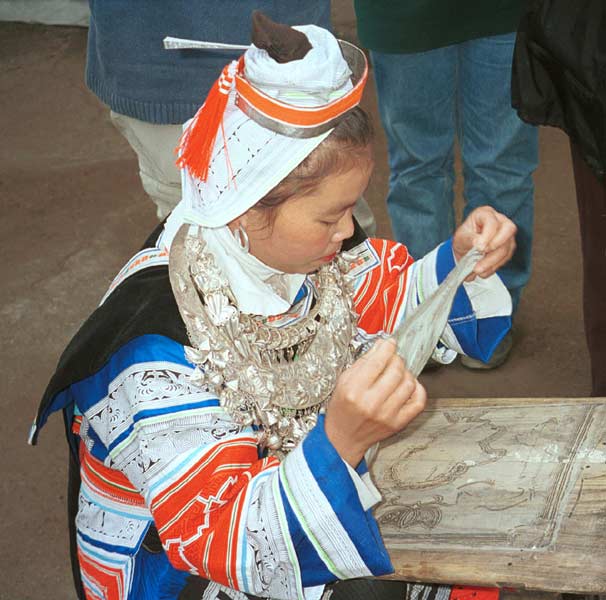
328 257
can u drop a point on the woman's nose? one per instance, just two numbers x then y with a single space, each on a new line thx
345 228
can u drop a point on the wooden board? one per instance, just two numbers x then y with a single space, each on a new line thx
498 492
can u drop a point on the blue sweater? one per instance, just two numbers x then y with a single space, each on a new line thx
129 70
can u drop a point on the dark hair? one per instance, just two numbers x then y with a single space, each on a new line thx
345 148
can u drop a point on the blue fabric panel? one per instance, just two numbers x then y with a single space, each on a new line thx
122 550
333 478
154 578
146 348
313 569
60 401
488 335
300 294
478 337
98 448
362 468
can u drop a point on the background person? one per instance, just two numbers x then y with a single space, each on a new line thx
443 71
152 92
559 79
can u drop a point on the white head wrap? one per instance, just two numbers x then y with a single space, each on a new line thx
250 160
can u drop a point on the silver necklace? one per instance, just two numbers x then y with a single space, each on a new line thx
275 378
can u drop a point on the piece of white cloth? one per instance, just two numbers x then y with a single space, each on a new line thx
161 178
257 288
256 160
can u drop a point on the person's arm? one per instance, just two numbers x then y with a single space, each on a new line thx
222 512
481 311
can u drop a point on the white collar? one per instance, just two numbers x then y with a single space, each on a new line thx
257 288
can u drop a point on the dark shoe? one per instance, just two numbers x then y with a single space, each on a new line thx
499 356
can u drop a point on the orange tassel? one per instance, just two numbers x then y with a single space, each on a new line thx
198 140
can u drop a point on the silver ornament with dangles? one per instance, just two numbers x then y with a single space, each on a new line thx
277 378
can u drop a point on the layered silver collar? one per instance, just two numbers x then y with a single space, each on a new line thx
274 375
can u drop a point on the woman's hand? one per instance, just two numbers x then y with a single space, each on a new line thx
491 233
375 398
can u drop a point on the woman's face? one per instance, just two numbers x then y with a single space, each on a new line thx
308 230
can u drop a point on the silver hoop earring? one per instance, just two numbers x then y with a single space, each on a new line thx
241 237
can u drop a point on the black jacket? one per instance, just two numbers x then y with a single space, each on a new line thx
559 72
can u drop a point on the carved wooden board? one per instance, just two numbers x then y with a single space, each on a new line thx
498 492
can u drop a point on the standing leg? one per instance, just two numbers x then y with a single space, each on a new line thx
416 94
499 151
154 145
591 199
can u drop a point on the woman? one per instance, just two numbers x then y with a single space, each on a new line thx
220 421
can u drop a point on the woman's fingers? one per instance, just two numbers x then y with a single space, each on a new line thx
404 393
372 364
414 407
486 225
392 377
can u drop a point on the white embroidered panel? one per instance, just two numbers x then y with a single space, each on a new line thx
103 525
154 441
269 565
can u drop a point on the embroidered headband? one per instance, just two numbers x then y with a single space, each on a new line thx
301 121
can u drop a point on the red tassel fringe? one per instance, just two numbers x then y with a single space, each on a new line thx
198 140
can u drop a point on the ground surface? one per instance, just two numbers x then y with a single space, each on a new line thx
73 212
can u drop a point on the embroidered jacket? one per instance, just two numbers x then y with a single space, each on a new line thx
158 453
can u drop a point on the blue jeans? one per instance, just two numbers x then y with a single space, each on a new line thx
427 99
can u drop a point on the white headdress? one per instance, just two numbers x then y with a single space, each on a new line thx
260 121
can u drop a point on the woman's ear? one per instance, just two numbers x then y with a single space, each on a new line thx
237 222
252 220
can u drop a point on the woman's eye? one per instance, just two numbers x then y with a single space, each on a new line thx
329 223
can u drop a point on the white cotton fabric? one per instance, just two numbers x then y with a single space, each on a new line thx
257 160
488 297
249 160
258 289
368 494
